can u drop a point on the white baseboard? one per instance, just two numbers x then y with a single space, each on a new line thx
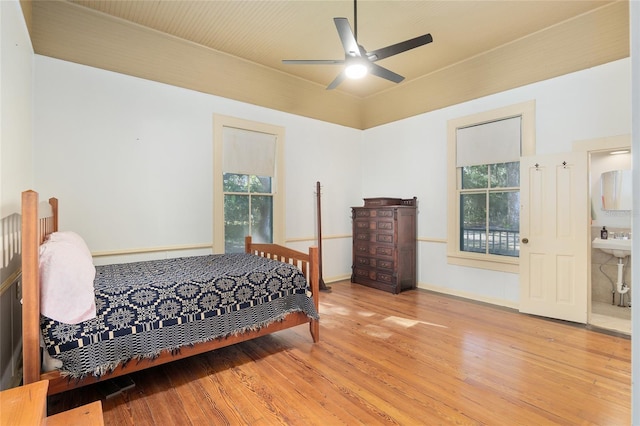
471 296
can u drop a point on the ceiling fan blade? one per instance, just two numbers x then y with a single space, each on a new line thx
346 37
313 61
385 73
394 49
339 79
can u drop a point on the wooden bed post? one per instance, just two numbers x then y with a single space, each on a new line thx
53 202
321 283
314 282
30 288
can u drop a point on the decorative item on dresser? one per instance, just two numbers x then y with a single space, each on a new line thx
384 244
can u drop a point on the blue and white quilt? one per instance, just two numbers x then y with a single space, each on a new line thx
146 308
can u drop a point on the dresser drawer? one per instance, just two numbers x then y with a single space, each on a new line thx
361 248
374 237
374 262
373 224
383 238
363 224
383 225
373 275
384 213
388 213
362 237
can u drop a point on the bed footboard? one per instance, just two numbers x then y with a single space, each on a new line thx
307 263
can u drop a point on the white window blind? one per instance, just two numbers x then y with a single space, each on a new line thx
489 143
248 152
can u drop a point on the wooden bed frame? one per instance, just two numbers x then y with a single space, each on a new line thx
39 220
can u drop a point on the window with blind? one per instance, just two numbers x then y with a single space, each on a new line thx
488 156
246 158
248 168
484 171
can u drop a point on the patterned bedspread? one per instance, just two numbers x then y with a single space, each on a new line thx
145 308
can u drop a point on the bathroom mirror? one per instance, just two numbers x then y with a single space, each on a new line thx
616 190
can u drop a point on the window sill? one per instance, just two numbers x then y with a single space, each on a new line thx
493 263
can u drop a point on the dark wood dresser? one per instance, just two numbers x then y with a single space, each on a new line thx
384 244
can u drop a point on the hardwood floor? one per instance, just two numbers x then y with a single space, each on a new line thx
416 358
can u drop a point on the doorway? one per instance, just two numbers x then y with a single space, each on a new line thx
608 308
567 285
610 300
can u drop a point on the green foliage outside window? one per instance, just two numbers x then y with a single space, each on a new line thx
490 209
248 210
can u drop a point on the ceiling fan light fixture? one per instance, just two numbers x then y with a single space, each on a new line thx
358 62
356 71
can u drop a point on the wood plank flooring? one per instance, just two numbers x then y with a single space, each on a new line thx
417 358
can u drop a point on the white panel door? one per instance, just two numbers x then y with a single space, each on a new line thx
554 214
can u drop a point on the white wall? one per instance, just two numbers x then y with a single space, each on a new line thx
16 173
409 157
132 161
16 71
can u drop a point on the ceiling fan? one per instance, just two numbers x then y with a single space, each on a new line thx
358 61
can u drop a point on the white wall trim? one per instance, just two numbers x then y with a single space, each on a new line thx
471 296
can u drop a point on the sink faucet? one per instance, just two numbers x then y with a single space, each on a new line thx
620 235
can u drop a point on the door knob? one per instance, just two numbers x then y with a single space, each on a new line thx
525 240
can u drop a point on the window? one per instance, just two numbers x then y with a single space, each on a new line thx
248 210
490 209
248 195
484 186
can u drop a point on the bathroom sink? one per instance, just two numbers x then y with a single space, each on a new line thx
614 246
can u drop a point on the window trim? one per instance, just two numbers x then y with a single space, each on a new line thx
219 122
478 260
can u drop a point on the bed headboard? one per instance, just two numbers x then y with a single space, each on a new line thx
38 221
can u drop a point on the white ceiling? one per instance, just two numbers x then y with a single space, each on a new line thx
266 32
